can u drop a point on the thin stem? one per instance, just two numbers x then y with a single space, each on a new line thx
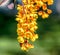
23 6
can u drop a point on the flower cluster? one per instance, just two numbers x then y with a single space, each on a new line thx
27 15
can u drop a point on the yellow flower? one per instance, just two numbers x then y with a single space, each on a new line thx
40 13
26 17
44 7
50 2
24 48
45 15
49 11
20 39
36 36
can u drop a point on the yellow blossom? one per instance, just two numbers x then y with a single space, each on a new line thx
44 7
45 15
40 13
49 11
26 17
20 39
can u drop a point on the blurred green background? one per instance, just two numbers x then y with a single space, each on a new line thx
48 42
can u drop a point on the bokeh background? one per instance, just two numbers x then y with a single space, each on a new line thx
48 42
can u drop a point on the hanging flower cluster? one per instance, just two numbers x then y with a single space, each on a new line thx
27 15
